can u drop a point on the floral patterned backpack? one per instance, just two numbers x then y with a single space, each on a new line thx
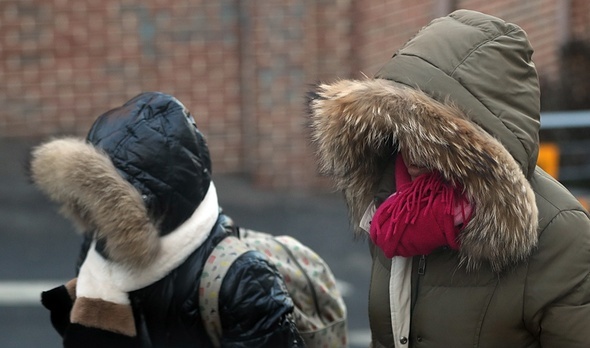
320 312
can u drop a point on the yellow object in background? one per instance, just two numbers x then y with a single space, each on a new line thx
584 202
549 159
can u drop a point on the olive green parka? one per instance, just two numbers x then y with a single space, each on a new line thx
462 98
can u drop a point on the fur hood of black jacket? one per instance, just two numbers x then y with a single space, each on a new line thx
146 158
139 188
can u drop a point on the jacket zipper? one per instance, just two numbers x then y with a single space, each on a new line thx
421 272
422 265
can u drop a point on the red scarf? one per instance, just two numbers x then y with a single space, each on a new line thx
421 216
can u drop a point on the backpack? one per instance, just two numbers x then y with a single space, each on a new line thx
320 312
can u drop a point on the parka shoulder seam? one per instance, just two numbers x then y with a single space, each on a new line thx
558 213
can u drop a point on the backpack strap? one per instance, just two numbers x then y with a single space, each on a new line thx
220 260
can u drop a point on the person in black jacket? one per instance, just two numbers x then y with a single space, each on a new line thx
140 189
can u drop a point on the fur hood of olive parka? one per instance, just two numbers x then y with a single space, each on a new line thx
429 101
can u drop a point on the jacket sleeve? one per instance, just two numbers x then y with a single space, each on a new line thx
59 302
558 284
255 307
86 331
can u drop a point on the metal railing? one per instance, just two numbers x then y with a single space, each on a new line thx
565 119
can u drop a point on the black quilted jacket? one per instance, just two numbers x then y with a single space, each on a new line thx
155 146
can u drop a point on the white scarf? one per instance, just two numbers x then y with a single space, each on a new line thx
103 279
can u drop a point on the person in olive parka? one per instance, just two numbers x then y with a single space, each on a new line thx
140 189
473 245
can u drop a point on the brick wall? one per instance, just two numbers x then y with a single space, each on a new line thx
381 27
286 46
384 26
580 20
66 62
241 67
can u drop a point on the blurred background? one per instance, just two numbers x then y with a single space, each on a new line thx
242 68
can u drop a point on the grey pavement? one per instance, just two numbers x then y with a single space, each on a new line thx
38 247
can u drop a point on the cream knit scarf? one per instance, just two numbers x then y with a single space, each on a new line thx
101 281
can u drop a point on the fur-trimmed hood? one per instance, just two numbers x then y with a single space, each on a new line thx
358 125
84 181
462 98
141 173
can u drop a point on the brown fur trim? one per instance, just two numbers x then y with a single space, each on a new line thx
104 315
71 288
85 182
356 126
